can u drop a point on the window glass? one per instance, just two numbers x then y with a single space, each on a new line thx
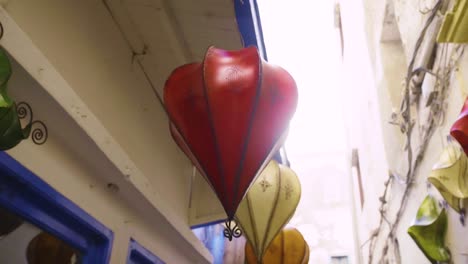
23 243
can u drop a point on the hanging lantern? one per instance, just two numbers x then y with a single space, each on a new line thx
11 130
11 133
429 229
268 205
459 129
455 26
230 114
450 176
288 247
45 249
8 222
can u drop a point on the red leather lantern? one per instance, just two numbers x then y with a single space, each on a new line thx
230 114
459 129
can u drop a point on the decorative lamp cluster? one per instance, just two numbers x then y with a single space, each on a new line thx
288 247
229 114
450 177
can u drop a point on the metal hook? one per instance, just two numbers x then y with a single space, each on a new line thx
39 133
230 232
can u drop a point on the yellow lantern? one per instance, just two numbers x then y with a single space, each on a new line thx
288 247
450 176
268 205
45 249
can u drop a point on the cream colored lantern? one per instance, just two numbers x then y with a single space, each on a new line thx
268 205
450 176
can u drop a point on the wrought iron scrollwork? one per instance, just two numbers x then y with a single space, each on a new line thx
24 110
231 231
39 132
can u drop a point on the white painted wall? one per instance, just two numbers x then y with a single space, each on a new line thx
105 125
83 43
72 164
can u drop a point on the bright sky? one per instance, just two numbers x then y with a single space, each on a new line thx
300 36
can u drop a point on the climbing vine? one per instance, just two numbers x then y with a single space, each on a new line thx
389 223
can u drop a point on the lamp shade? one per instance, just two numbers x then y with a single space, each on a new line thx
455 26
459 129
46 249
428 231
288 247
450 175
9 222
268 205
229 114
11 132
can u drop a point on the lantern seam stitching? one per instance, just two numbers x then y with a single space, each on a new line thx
291 213
213 129
249 129
275 205
252 221
203 173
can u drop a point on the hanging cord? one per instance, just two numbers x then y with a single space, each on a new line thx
136 58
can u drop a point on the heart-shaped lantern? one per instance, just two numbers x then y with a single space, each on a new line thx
268 205
229 114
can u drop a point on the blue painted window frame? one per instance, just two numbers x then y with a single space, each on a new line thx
137 254
250 26
25 194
